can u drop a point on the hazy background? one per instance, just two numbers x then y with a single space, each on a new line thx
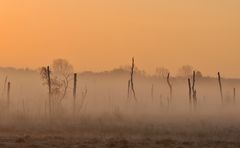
107 93
98 35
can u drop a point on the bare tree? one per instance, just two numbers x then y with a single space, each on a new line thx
58 82
62 72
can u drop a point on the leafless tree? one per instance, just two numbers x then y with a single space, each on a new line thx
61 75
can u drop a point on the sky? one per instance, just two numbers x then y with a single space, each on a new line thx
103 34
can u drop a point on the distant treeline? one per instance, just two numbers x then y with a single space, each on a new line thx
161 73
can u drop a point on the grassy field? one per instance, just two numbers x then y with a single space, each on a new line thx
107 131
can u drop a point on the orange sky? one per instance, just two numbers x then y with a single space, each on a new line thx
102 34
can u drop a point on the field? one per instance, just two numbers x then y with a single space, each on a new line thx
107 131
108 118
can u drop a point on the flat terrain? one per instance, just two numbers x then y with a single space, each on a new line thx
115 132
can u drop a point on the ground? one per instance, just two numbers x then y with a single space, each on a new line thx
112 132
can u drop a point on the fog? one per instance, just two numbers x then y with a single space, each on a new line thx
107 94
107 117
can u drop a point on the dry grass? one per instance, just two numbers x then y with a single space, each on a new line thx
107 131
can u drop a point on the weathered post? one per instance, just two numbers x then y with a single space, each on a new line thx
8 95
74 93
194 80
49 90
130 82
220 86
194 90
190 92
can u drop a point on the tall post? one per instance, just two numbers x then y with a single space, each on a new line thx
170 86
190 92
74 93
220 86
130 82
49 90
8 95
194 80
194 90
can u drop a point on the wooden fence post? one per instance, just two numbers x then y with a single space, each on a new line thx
8 95
190 92
74 93
220 86
49 90
194 91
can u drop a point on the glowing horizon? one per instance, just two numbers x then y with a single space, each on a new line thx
101 35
